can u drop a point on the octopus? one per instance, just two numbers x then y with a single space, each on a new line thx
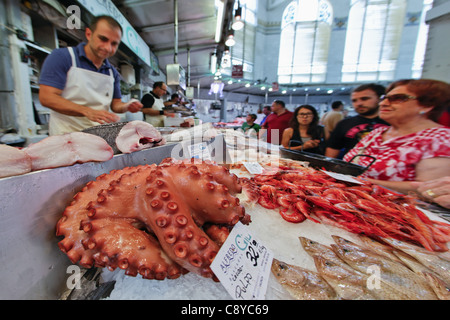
159 221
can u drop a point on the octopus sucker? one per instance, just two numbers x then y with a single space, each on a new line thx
181 250
149 220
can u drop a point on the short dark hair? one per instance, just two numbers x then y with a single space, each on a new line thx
158 84
254 116
280 102
336 104
111 21
377 88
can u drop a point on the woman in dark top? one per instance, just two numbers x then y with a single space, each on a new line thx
304 133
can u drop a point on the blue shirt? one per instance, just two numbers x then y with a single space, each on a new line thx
57 64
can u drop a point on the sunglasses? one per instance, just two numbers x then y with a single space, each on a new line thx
397 98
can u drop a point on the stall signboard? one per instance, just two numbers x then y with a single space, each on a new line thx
130 37
237 71
275 86
243 265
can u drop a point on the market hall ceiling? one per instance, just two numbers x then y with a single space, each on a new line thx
194 41
154 20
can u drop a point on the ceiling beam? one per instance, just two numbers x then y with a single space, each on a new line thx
137 3
204 43
160 27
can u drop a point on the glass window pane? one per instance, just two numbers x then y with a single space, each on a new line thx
373 38
305 38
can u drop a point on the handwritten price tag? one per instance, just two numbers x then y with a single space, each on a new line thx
253 167
342 177
243 265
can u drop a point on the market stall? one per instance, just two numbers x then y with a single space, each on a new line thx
42 271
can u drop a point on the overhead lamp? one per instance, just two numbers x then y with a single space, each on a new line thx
213 62
238 23
220 12
216 87
230 39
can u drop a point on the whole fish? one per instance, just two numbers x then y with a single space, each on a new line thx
439 287
314 248
429 259
391 273
379 248
301 283
351 284
348 282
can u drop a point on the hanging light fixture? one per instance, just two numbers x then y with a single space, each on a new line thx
230 39
238 23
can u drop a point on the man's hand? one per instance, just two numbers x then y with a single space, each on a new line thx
134 106
100 116
168 114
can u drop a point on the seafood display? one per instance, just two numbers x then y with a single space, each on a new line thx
301 283
159 221
306 193
138 135
68 149
53 152
360 272
13 161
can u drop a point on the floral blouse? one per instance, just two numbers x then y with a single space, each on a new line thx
396 158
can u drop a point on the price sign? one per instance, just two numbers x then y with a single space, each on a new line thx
253 167
342 177
200 151
243 265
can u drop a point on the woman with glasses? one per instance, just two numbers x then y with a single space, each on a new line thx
415 147
305 133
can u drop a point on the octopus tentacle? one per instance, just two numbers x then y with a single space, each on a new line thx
69 224
127 248
111 220
220 174
151 197
194 186
218 234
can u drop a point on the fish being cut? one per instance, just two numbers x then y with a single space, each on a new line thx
138 135
13 161
68 149
301 283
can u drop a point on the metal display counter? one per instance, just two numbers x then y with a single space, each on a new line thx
32 264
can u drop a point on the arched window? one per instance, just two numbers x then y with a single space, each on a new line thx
304 41
373 40
421 44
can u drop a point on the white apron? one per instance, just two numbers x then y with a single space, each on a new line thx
87 88
156 121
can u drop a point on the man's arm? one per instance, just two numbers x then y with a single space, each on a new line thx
50 97
147 102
